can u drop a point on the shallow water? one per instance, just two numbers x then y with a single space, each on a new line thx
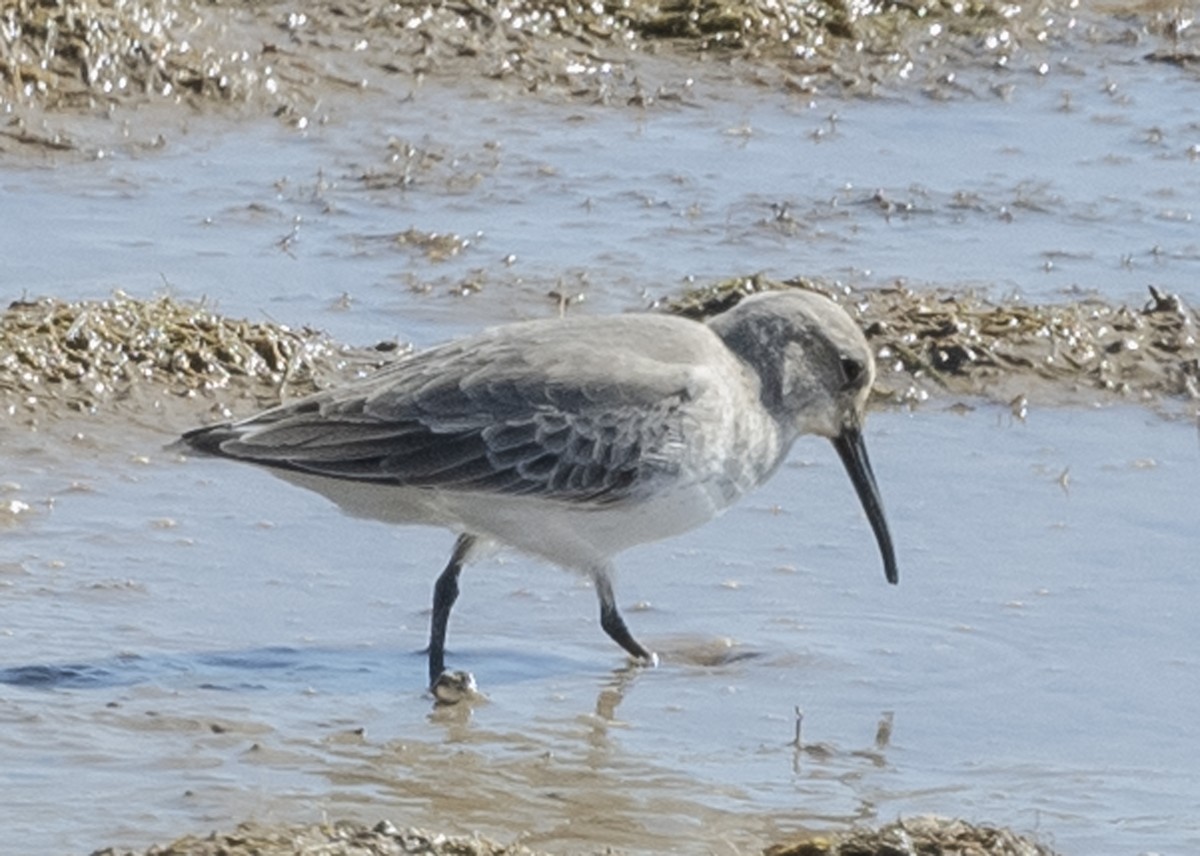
1073 181
184 645
192 642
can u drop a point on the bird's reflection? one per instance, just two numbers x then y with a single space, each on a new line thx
825 752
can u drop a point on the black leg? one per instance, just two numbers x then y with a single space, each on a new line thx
445 592
614 624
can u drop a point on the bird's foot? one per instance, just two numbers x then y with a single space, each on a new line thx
453 687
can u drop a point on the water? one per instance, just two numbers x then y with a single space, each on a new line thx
196 642
1078 181
184 645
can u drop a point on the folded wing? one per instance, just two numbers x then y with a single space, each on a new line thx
490 418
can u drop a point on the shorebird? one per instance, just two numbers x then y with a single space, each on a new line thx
573 439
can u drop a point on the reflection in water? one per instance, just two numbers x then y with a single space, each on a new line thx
883 734
454 718
571 779
565 779
824 751
611 696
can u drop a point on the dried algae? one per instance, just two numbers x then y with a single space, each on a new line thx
79 356
932 342
279 58
917 836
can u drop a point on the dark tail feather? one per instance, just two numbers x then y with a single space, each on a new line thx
207 440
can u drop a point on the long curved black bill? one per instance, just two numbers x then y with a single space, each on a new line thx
853 452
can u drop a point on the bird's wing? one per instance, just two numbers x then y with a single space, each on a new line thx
486 418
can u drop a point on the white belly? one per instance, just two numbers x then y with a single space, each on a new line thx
577 536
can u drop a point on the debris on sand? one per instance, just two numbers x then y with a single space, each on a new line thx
275 59
1079 352
80 356
916 836
327 839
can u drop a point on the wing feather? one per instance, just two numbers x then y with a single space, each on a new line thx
491 417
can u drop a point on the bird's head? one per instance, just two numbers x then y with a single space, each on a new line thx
816 371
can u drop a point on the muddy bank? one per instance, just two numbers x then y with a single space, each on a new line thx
186 361
926 835
93 56
933 343
90 356
341 838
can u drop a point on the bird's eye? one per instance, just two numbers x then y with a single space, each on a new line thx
852 370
